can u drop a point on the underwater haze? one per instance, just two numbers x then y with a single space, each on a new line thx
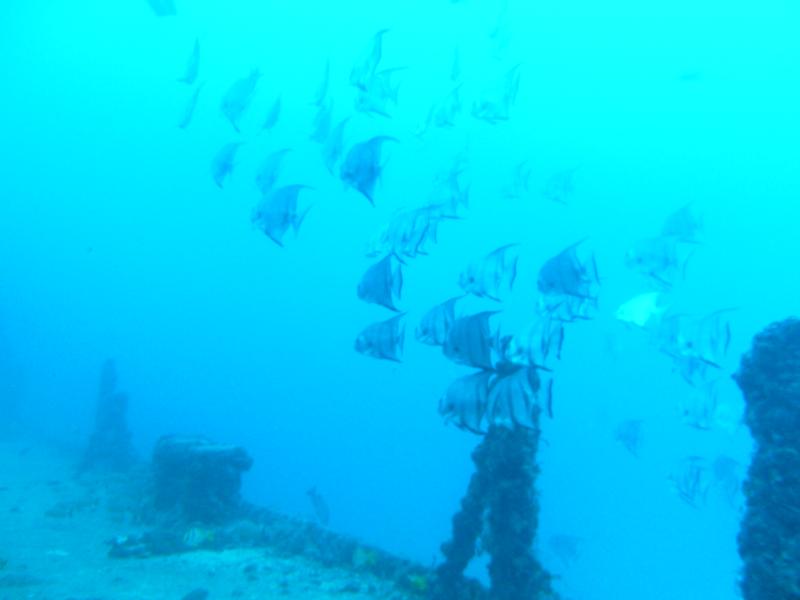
148 215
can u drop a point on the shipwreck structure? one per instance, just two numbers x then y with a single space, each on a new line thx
500 510
110 445
197 480
769 544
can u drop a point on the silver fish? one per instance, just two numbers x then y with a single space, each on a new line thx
382 283
409 232
496 101
435 325
322 91
379 92
269 170
566 274
568 309
273 115
188 112
334 145
661 259
534 345
238 97
383 340
698 346
278 212
450 193
629 434
520 181
455 69
684 225
466 401
192 66
699 410
362 166
692 481
223 163
443 113
322 123
362 71
492 274
470 341
560 186
513 397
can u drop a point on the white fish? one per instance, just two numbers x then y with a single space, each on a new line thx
642 309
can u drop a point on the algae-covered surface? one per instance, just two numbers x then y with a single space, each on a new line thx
55 533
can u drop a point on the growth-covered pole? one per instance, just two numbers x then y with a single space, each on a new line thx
769 540
501 510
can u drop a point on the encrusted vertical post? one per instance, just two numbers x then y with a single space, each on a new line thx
769 540
513 516
501 509
110 446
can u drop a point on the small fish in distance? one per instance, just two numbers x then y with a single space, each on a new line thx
362 167
437 322
278 212
470 341
489 276
383 340
382 283
238 98
365 68
273 115
191 105
192 66
223 164
163 8
269 170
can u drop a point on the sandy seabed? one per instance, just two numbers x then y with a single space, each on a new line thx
54 540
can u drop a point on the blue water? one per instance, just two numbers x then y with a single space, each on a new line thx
116 242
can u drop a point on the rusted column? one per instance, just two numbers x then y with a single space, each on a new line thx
769 539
